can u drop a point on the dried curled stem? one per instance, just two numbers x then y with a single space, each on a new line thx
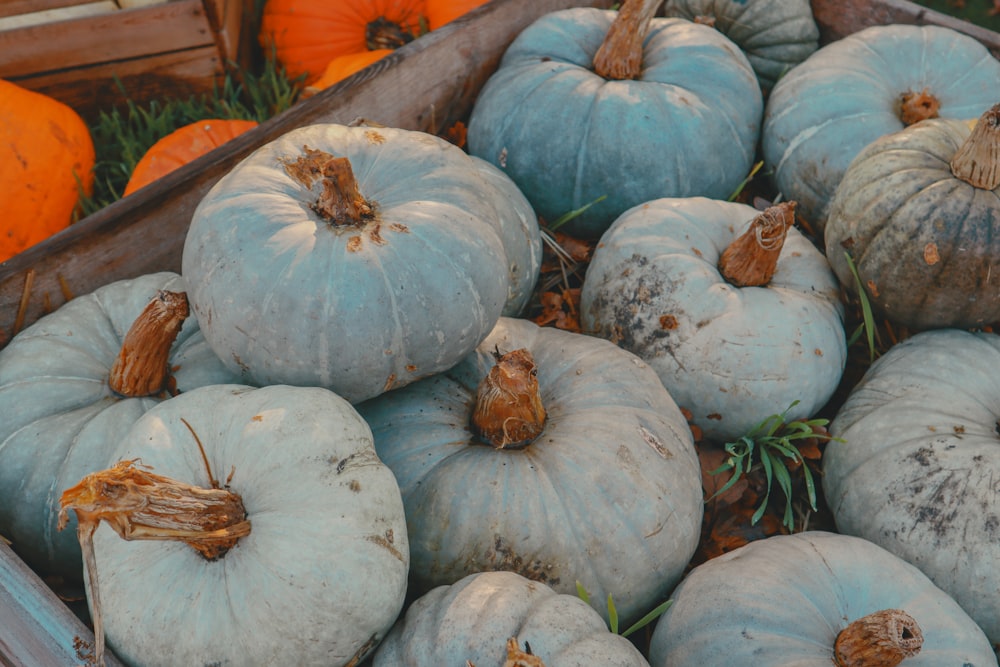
880 639
752 258
915 107
977 160
339 201
140 505
509 413
516 657
142 366
620 54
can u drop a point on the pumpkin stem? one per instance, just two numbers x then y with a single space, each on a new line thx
620 54
915 107
880 639
385 34
140 505
751 259
142 366
977 160
508 413
518 658
339 202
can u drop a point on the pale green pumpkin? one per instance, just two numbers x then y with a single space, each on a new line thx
687 124
916 463
921 234
474 618
731 354
776 35
824 111
402 287
62 419
611 478
783 601
321 576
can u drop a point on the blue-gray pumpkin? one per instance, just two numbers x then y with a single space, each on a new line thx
66 400
687 124
353 258
799 600
874 82
731 353
475 619
317 573
776 35
915 464
607 491
916 215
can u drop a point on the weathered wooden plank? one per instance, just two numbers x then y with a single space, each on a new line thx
17 7
90 89
838 18
425 85
36 627
171 26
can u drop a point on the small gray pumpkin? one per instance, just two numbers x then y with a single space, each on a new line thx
474 618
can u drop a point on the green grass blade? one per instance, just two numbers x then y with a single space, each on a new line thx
648 618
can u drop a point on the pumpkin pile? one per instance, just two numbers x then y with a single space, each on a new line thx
362 423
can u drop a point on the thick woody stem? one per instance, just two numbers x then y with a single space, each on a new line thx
880 639
139 505
620 54
751 259
338 200
509 413
977 160
142 366
915 107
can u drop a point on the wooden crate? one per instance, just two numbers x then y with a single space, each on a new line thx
173 48
426 85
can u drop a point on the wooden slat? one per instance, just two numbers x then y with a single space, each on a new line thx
16 7
425 85
90 90
838 18
164 28
36 627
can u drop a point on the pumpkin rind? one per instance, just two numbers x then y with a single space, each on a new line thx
731 355
922 240
473 618
182 146
61 420
46 160
781 601
776 35
688 125
612 478
916 471
288 298
520 234
306 35
322 575
441 12
822 113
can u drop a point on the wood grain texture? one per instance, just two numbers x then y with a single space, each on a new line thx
36 627
838 18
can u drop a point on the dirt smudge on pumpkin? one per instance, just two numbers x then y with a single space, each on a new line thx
387 542
374 137
501 556
354 244
631 325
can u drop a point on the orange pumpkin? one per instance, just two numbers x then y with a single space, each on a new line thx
440 12
343 66
182 146
46 157
306 35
